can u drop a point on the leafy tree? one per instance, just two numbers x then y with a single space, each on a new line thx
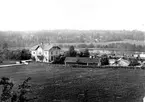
15 55
25 54
20 95
71 52
104 60
134 62
59 59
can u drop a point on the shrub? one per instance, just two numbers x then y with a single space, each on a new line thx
17 96
25 54
7 89
33 58
104 60
59 60
41 57
134 62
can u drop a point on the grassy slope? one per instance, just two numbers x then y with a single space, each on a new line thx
65 83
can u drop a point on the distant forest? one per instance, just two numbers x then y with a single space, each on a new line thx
93 37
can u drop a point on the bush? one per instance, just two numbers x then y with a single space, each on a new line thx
7 89
59 60
41 57
25 54
19 95
134 62
104 60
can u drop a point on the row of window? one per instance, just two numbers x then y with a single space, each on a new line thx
40 53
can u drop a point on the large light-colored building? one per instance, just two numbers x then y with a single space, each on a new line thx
45 52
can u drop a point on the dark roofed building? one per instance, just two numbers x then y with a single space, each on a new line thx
82 60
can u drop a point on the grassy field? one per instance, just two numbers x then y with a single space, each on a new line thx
58 83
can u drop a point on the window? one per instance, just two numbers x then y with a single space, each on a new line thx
40 53
51 53
33 52
45 53
51 58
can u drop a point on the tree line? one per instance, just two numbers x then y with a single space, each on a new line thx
6 54
26 39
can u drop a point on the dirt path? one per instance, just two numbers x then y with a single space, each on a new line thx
9 65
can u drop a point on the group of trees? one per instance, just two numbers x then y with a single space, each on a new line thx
73 53
6 54
129 46
21 39
123 46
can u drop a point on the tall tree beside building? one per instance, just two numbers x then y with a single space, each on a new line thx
71 52
104 60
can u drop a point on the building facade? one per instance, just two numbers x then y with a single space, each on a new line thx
45 52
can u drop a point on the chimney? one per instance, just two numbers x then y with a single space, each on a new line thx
41 43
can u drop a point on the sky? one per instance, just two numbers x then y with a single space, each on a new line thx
28 15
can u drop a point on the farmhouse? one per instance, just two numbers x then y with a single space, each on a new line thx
45 52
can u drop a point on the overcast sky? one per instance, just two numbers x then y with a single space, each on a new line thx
72 14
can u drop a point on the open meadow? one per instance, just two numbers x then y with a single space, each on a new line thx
58 83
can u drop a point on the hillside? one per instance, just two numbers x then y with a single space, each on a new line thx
97 37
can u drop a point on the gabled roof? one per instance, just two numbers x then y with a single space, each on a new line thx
88 60
44 47
71 59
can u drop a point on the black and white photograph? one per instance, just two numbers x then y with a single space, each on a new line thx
72 50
